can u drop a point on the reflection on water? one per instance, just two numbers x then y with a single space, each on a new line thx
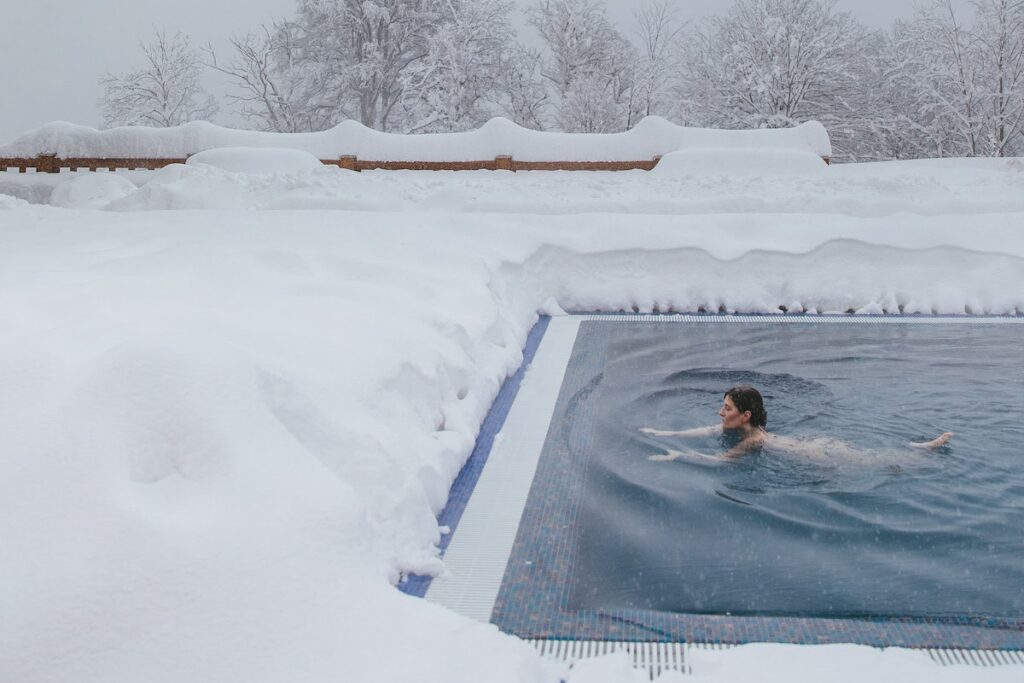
859 525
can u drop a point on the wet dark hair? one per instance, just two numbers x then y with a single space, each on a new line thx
748 398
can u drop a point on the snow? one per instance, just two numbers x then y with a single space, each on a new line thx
653 136
226 429
930 188
256 160
9 202
91 191
613 668
739 163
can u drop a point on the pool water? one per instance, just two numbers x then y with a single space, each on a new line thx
862 526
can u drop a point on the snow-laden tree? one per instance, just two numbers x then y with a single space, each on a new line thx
898 123
594 104
771 63
658 33
457 83
166 92
999 30
961 79
523 94
357 54
272 81
393 65
590 67
912 98
944 61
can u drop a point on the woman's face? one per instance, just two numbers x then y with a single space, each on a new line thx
732 418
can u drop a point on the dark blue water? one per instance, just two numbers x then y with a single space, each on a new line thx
863 526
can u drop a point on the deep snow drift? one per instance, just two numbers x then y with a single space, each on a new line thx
224 432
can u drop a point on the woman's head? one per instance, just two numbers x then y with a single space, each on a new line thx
738 403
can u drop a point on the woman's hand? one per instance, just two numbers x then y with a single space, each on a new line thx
940 440
675 455
696 431
689 455
664 457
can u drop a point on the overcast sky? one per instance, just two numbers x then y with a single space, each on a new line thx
53 51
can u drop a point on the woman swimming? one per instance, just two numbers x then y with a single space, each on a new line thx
743 414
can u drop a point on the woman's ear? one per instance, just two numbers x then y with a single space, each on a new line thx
747 415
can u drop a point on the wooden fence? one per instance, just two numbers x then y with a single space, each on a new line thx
51 163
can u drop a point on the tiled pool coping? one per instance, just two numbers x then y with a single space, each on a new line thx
533 594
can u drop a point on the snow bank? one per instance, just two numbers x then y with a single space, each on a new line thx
651 137
205 186
255 160
704 161
224 434
938 187
9 202
91 191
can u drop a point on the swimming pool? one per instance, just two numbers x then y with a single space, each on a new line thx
875 542
876 529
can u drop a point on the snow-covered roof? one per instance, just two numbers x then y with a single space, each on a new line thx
651 137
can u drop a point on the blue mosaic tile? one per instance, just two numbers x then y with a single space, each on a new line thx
467 478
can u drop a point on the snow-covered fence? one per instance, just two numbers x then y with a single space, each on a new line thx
504 162
51 163
497 145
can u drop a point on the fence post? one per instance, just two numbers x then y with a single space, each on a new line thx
348 161
47 163
503 162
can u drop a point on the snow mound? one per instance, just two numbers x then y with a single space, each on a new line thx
196 186
704 161
91 191
9 202
256 160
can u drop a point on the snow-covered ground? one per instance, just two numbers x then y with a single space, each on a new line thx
225 429
925 187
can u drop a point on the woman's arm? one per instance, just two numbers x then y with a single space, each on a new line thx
687 454
696 431
940 440
742 448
